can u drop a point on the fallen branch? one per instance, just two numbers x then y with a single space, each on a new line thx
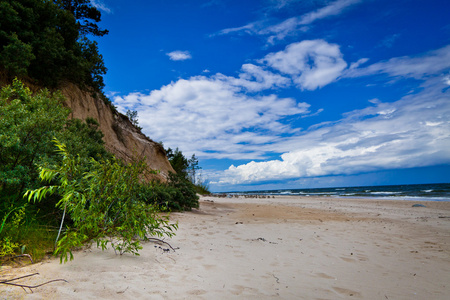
161 241
25 255
21 255
31 287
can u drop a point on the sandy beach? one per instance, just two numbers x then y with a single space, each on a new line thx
268 248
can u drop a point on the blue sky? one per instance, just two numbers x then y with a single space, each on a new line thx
289 93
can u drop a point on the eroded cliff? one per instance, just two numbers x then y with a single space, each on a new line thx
121 138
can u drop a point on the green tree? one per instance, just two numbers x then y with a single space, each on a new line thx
27 126
192 168
133 117
16 56
84 138
46 40
178 162
185 191
103 203
85 14
28 123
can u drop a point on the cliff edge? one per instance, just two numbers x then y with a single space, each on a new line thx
121 137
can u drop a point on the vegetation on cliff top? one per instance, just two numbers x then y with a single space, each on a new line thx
47 41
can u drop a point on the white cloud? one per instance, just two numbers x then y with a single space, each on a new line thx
219 116
333 9
98 4
292 25
255 78
250 28
358 63
179 55
212 117
446 79
412 132
279 4
431 63
312 64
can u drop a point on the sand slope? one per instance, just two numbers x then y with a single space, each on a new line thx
286 248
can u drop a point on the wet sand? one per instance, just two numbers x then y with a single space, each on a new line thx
283 247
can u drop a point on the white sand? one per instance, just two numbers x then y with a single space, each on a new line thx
286 248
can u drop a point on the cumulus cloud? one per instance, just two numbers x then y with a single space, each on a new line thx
213 117
312 64
255 78
279 31
220 116
179 55
234 117
411 132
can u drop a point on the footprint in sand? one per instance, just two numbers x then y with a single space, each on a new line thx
347 292
323 275
209 267
197 292
347 259
360 257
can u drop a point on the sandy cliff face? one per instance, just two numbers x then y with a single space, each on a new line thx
121 137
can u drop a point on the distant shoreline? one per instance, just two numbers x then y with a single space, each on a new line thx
410 192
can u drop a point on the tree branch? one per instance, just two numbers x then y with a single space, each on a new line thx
161 241
31 287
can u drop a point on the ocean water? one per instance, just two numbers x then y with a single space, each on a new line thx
428 192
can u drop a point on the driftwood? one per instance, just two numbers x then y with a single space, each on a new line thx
24 286
160 241
21 255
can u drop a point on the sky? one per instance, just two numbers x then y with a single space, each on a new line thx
284 94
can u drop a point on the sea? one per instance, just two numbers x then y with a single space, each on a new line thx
413 192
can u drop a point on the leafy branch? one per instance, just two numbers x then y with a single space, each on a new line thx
103 199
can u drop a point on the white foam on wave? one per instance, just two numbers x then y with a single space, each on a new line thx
386 193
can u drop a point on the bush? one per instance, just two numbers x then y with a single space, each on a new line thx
178 194
27 124
104 204
186 197
8 246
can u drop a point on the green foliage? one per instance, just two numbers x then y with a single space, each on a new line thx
133 117
187 178
178 162
7 244
27 125
46 40
192 168
83 138
16 56
202 188
178 194
103 202
84 12
21 233
186 197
